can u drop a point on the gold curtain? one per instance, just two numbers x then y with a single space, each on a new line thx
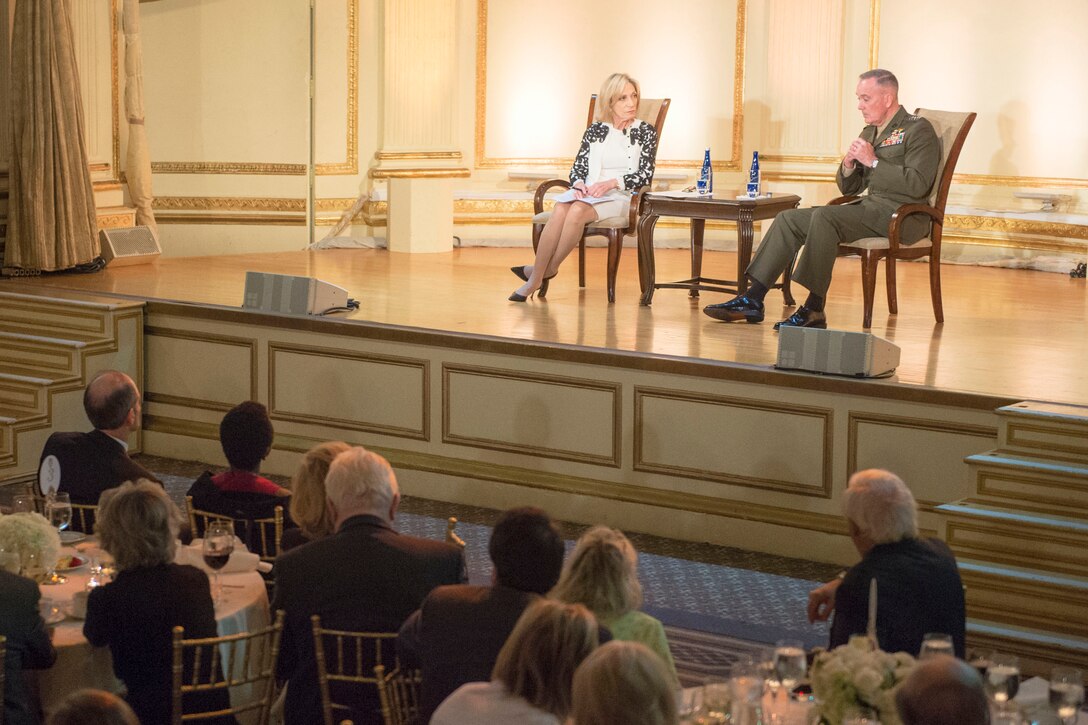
52 224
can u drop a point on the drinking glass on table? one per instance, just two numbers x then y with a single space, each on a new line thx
23 503
789 664
58 509
218 545
936 643
717 696
746 686
1066 693
768 673
1003 679
980 658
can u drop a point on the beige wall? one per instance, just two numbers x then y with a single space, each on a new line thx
227 115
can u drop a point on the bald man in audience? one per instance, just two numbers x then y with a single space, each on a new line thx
918 583
943 691
86 464
365 577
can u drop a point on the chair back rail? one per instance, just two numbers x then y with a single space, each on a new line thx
262 536
347 657
399 694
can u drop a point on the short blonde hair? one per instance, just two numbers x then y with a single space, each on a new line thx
611 89
547 644
601 573
138 524
359 478
308 508
623 682
879 504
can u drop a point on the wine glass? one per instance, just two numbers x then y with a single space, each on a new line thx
936 643
58 509
789 664
1003 679
218 545
1066 693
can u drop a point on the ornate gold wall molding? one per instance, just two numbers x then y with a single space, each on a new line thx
874 33
1015 226
1017 181
419 173
349 166
384 155
484 162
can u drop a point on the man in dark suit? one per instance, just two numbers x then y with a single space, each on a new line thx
918 584
28 644
86 464
365 577
456 635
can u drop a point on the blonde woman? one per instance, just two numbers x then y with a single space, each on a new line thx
616 157
531 682
308 509
623 682
602 574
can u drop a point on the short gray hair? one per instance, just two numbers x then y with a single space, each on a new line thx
138 525
881 506
359 478
882 77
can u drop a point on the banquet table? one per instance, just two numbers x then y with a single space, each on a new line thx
242 607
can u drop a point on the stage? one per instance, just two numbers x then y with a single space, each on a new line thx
1011 334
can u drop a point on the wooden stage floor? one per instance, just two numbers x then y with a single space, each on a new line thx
1015 333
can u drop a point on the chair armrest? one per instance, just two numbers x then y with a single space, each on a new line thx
538 197
905 211
843 199
636 207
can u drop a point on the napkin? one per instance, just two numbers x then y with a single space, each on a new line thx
240 559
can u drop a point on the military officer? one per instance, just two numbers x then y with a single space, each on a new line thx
895 158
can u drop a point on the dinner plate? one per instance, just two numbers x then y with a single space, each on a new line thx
71 537
68 563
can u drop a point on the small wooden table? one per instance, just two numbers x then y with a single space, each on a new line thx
699 209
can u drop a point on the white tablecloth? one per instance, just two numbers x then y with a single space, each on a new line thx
242 607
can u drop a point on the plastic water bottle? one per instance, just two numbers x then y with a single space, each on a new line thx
705 184
755 187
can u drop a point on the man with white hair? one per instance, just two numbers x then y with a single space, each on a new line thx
918 584
365 577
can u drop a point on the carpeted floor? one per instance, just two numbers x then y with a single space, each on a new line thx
718 603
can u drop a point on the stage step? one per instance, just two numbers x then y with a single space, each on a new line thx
1045 430
1039 651
23 392
68 318
1056 544
1030 484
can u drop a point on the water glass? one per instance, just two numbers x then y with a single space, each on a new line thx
1003 679
789 664
980 658
746 687
935 643
1066 692
23 503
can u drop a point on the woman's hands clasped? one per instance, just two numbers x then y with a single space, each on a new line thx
599 189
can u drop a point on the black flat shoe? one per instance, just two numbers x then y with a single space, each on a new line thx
804 317
739 308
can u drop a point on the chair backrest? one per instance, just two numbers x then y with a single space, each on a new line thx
212 666
262 536
83 518
951 128
399 694
348 657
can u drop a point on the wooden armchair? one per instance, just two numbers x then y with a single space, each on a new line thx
349 658
650 110
242 665
951 128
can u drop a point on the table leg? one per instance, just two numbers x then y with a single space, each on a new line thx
745 235
646 271
698 226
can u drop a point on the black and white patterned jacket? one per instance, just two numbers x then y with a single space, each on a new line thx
640 157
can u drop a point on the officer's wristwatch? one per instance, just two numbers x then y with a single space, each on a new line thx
875 162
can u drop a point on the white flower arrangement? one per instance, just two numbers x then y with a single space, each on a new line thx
29 532
858 674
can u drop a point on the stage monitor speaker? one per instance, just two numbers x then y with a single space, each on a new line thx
837 352
291 294
122 247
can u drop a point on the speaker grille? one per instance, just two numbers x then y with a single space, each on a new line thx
137 240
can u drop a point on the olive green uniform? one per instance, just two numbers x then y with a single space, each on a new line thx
908 154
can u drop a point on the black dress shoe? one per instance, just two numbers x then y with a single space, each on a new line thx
804 317
739 308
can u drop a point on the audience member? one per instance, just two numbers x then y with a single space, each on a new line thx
531 682
93 707
308 509
245 433
918 584
602 574
624 682
135 614
943 691
86 464
365 577
455 637
28 644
